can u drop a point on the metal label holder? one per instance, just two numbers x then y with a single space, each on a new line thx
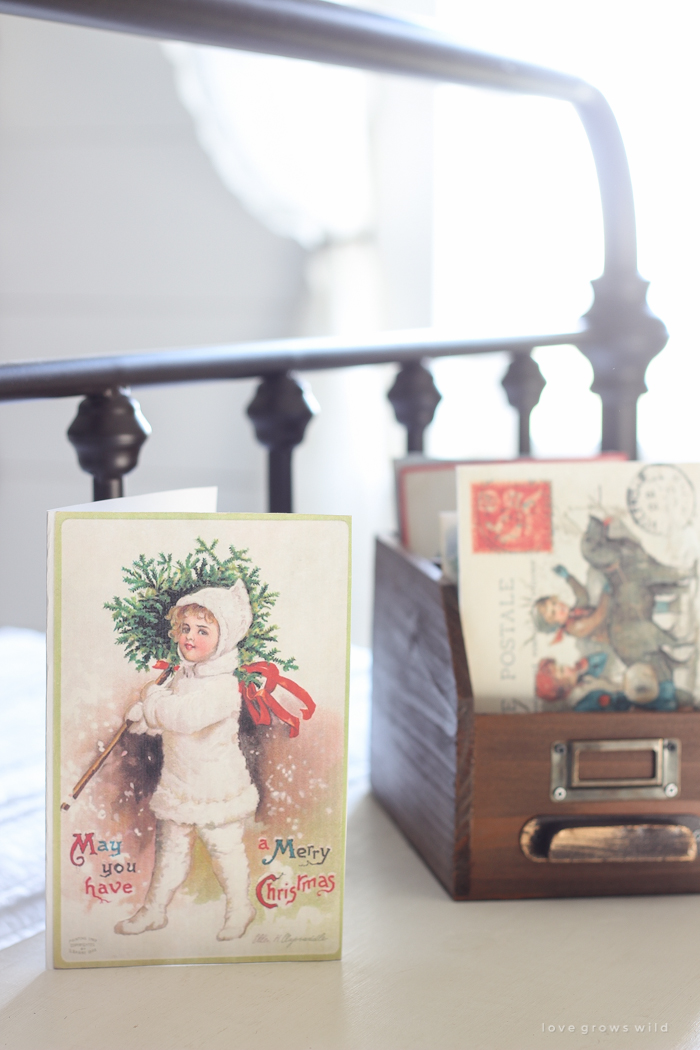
568 786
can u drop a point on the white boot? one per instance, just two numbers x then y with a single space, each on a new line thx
230 864
146 918
173 852
236 924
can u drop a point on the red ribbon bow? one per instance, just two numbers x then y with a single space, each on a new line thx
261 703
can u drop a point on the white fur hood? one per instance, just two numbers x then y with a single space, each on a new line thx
234 615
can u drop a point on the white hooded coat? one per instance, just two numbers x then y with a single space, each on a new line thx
204 780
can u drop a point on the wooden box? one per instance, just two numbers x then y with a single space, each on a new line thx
477 795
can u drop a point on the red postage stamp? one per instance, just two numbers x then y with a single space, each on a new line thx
512 516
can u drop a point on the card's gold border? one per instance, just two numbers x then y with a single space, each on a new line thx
59 518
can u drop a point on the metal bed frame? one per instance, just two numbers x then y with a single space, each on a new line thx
619 334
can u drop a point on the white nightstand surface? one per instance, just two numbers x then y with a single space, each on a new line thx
419 971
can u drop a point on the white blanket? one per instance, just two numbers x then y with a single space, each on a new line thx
22 750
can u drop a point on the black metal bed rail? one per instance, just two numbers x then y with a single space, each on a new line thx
23 380
109 430
619 334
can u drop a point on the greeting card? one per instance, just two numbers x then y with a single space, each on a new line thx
197 702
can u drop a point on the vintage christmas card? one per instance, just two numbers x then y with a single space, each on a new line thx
197 702
579 585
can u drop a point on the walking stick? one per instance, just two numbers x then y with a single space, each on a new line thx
101 759
98 763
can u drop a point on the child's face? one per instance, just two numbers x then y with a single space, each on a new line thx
198 639
566 676
555 612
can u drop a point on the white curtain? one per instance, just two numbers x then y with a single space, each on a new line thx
291 140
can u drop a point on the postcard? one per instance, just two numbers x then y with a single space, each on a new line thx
578 585
198 670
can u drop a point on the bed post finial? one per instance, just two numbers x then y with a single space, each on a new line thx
414 398
107 434
280 412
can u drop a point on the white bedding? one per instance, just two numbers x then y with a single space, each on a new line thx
22 748
22 773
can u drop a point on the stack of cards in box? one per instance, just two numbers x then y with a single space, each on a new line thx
578 581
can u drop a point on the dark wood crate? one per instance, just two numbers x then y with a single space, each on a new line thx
462 786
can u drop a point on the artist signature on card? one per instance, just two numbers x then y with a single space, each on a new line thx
287 940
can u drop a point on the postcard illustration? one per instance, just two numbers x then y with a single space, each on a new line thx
197 697
579 585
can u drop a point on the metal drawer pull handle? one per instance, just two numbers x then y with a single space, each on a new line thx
548 839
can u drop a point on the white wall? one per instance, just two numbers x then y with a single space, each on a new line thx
116 235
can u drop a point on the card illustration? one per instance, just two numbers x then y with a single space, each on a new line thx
637 591
207 820
599 614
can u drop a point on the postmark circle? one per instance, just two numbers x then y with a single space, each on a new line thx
661 499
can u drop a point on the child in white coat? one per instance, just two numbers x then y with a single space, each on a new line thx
205 788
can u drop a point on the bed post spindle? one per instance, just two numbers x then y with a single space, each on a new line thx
107 434
280 412
523 384
414 398
622 336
